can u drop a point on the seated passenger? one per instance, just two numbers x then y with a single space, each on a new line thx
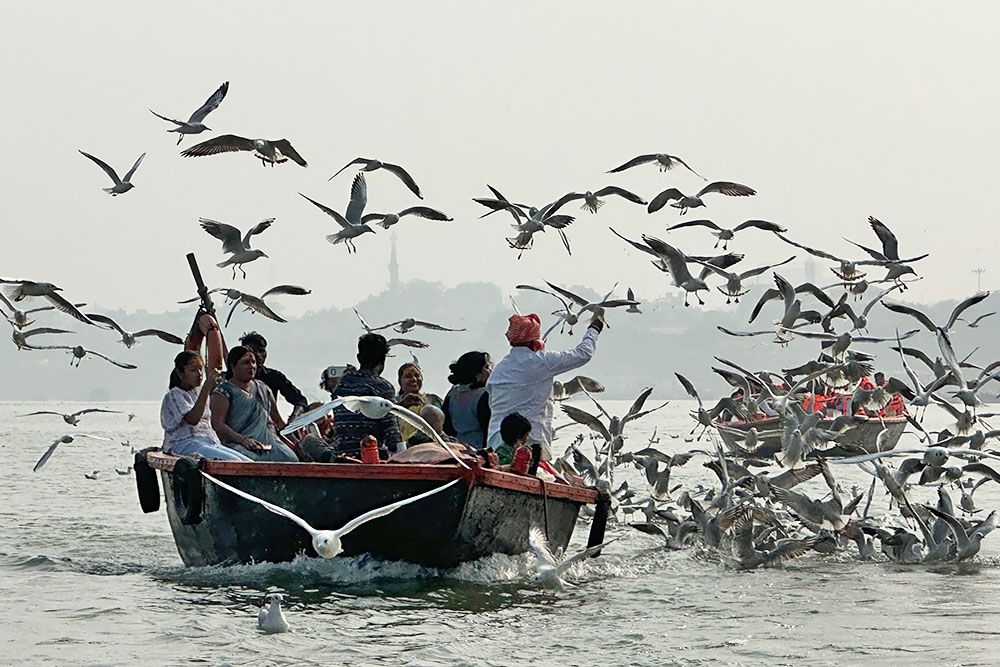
514 430
435 419
411 395
185 415
243 410
318 443
467 404
352 427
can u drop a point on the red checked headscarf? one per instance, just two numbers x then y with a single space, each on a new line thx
525 330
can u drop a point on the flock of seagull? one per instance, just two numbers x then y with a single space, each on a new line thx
754 516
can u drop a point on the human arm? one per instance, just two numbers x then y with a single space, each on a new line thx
555 363
289 391
483 414
448 427
195 414
219 403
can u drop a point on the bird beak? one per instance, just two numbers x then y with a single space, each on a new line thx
264 254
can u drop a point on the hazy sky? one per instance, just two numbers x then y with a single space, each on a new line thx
831 112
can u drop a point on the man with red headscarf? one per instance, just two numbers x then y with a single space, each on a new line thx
522 381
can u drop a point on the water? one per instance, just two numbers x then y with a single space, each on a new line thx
86 578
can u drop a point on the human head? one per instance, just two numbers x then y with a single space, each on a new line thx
187 370
433 416
372 349
470 367
257 344
879 379
330 377
242 363
411 380
515 429
525 331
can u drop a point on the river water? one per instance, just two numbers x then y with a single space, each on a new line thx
86 578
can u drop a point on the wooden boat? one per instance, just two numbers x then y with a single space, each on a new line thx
861 437
490 513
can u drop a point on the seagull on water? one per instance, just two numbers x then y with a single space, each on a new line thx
256 304
122 185
129 339
195 124
352 225
66 439
327 543
268 151
664 161
270 619
724 235
371 164
684 202
72 419
236 243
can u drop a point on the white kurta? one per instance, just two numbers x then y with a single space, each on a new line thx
522 382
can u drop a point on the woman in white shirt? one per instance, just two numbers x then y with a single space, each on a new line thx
185 415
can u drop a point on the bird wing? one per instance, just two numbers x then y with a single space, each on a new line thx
41 412
224 143
406 342
912 312
559 203
128 176
635 244
581 382
635 162
357 160
280 511
719 262
292 290
229 235
689 388
660 200
812 251
426 212
65 306
649 529
695 223
621 192
764 298
104 319
257 229
890 246
286 149
565 239
257 305
379 512
760 224
404 176
675 259
359 199
49 452
963 306
874 254
878 297
540 547
744 333
727 188
341 220
586 553
961 537
104 165
786 290
211 104
638 403
90 410
588 420
575 298
432 326
162 335
112 361
756 272
169 120
367 327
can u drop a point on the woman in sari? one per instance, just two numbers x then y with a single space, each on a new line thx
412 396
244 413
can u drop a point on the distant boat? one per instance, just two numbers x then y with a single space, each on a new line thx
490 513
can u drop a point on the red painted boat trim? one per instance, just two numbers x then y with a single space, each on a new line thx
387 471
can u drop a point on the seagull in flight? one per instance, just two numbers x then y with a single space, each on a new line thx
48 291
684 202
66 439
78 352
551 570
371 164
256 303
195 124
664 161
21 337
235 242
352 225
734 281
268 151
328 543
724 236
72 419
122 185
592 200
406 325
387 220
405 342
19 318
890 245
129 339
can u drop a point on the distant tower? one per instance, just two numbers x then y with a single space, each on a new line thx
393 264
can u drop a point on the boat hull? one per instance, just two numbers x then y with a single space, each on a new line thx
488 512
862 437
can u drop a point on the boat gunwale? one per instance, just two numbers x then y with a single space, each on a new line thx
387 471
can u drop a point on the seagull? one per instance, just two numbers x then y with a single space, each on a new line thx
674 538
372 407
19 318
122 185
406 325
66 439
592 201
20 338
48 291
890 245
92 475
370 164
127 471
74 418
684 202
974 324
568 299
563 390
674 262
195 124
78 352
550 570
130 339
270 619
538 220
236 243
847 271
664 161
734 281
919 316
630 295
268 151
387 220
327 543
352 224
748 557
967 544
406 342
256 303
724 236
